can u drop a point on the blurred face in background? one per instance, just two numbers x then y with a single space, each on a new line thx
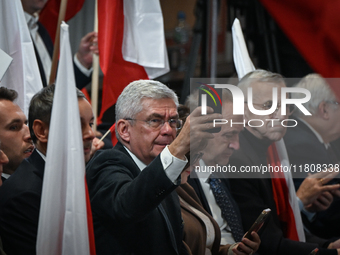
86 120
32 6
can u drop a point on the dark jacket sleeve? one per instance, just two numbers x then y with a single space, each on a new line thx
118 195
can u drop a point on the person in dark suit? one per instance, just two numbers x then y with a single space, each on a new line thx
308 144
283 232
14 133
43 46
20 195
132 187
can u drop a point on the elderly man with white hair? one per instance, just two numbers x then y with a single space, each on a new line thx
308 145
132 187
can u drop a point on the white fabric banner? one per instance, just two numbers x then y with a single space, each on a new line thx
242 61
23 73
63 219
144 40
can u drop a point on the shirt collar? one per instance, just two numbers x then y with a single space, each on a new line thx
31 20
6 176
41 154
315 133
203 175
139 163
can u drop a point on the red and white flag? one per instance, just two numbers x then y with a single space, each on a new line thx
131 43
15 40
243 66
63 220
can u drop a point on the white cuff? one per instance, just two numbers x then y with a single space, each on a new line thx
310 215
82 68
173 166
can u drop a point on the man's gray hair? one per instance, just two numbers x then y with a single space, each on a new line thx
129 102
258 75
320 92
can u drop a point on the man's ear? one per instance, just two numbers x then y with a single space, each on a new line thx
323 110
123 129
40 130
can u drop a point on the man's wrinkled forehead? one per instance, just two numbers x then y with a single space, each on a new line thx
160 106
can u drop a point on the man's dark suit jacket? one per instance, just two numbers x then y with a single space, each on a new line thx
255 194
81 79
20 199
125 201
303 147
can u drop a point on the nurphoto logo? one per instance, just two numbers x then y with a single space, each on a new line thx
238 99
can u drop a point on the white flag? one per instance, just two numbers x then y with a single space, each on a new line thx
144 39
63 220
23 73
242 61
5 61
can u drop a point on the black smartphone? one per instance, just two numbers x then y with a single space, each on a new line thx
212 97
258 223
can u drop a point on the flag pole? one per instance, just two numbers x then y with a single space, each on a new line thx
95 74
61 17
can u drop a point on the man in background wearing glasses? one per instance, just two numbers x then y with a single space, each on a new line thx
308 146
132 187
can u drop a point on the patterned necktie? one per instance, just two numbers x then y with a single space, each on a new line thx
227 208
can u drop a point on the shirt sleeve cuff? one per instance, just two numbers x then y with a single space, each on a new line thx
310 215
173 166
82 68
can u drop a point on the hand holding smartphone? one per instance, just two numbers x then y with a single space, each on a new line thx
258 222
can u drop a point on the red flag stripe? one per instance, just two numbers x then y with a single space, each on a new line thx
118 73
49 14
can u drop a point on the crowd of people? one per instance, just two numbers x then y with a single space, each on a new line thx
148 194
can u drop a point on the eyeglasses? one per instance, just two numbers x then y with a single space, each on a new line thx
158 123
268 105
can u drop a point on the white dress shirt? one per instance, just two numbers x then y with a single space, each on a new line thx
32 23
172 166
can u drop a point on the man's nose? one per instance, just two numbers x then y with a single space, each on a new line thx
3 158
27 135
88 134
